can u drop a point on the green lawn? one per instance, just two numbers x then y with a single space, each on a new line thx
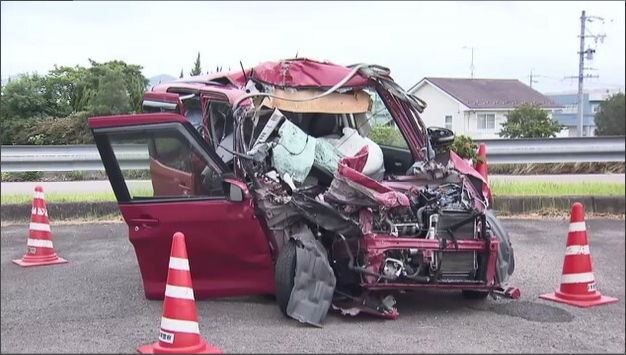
66 197
506 188
498 188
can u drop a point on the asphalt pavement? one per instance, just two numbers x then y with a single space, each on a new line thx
95 186
95 304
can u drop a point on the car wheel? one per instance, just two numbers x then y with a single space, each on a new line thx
284 275
512 262
474 295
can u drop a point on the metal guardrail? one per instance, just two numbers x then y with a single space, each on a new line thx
499 151
555 150
50 158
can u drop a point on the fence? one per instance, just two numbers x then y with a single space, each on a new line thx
499 151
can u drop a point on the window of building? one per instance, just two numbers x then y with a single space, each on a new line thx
486 121
448 122
570 109
595 108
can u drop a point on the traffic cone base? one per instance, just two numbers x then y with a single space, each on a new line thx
28 261
578 283
202 348
596 299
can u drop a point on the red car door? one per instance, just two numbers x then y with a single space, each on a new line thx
183 189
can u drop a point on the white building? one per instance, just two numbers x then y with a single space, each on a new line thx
476 107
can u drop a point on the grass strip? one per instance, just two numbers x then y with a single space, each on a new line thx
498 188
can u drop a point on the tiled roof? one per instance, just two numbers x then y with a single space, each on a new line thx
491 93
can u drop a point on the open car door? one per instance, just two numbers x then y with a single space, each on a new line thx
185 190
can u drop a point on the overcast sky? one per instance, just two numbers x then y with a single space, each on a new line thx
414 39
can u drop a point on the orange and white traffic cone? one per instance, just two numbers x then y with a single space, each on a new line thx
482 167
578 283
180 333
39 248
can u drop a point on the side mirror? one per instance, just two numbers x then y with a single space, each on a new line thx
235 191
440 137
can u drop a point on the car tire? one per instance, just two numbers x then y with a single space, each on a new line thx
284 274
512 262
474 295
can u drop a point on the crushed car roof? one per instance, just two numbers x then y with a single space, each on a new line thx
293 73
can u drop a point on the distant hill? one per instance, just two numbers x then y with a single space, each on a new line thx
163 78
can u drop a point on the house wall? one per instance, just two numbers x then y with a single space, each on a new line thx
471 118
465 121
439 106
568 116
472 124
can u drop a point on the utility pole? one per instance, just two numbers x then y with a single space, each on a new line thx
581 64
581 69
531 82
471 65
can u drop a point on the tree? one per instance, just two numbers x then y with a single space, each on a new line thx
52 109
111 98
197 68
25 97
23 101
181 74
133 81
63 89
610 119
530 121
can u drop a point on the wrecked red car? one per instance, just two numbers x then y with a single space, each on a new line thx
310 181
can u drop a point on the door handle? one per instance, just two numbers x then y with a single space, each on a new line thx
146 222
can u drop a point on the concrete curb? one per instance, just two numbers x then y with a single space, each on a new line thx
504 205
62 210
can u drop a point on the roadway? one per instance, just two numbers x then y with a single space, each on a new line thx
96 186
95 304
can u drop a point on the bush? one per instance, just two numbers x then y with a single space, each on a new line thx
464 147
76 175
68 130
388 135
137 174
14 130
31 176
6 177
557 168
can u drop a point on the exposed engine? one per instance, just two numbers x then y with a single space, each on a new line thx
443 213
427 205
